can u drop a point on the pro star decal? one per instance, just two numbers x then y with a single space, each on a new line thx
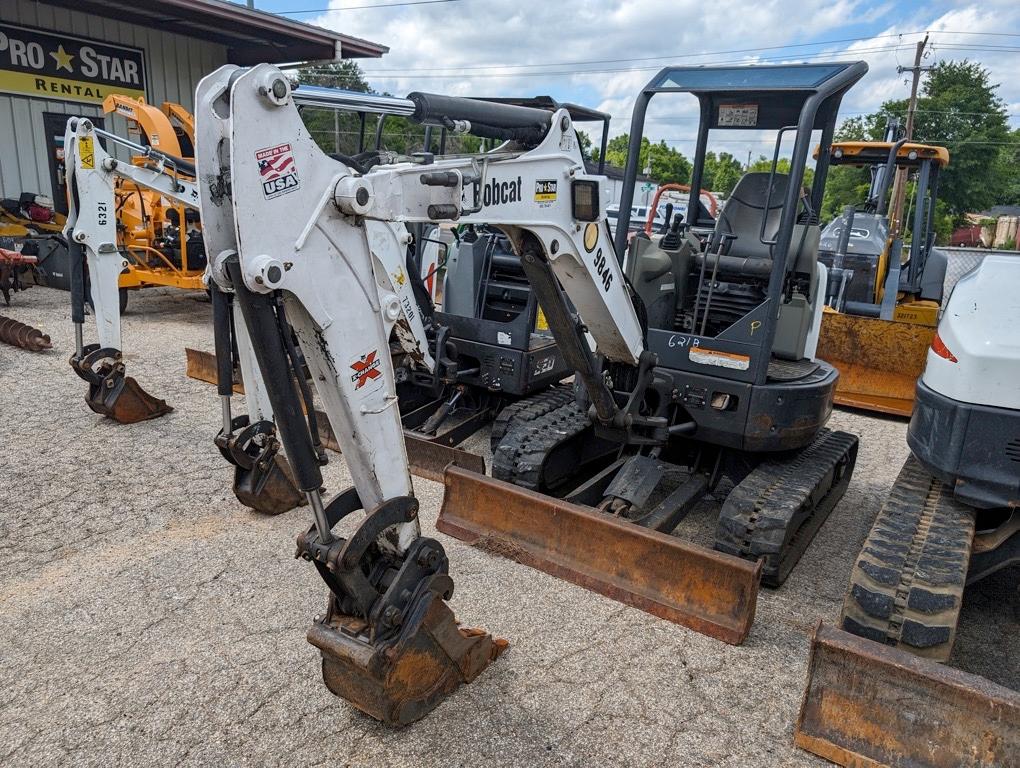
278 171
366 371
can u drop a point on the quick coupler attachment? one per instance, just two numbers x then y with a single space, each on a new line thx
390 644
263 480
112 393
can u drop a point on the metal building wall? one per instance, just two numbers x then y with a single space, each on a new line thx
173 64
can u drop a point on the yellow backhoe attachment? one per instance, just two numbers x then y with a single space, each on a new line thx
869 705
707 591
879 361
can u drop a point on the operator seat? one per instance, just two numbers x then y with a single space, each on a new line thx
742 215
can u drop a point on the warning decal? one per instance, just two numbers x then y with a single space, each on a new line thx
277 169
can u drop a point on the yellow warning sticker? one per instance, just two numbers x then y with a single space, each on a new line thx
87 153
541 324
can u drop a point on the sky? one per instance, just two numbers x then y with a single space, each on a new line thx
600 54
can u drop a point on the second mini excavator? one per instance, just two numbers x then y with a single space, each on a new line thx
723 389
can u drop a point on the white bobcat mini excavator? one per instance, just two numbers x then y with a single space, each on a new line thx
92 175
876 694
307 242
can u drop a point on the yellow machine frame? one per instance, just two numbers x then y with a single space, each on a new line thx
142 213
880 360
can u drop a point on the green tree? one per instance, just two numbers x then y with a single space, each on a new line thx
958 108
587 150
721 173
1009 169
666 164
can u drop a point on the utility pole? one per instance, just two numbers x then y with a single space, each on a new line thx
900 183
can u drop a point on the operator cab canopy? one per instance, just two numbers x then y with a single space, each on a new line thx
785 98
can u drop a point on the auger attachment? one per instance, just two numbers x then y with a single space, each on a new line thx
112 393
390 645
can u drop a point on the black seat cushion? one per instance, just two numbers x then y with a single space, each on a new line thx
742 215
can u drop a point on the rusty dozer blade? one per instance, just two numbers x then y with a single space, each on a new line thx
710 592
390 645
879 361
867 704
112 393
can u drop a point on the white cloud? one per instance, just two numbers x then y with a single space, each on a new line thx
443 47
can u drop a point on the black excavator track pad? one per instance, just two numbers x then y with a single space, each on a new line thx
775 511
906 588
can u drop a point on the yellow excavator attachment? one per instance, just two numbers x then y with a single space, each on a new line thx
879 361
710 592
868 704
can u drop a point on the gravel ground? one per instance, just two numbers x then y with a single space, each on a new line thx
146 616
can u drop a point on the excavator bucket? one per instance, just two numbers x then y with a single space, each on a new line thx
402 681
707 591
879 361
868 704
112 393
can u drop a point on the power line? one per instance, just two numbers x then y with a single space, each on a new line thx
650 58
575 72
363 7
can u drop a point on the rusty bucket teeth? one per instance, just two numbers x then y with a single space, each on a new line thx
403 679
271 492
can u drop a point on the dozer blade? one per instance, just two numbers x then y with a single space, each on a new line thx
707 591
402 681
867 704
879 361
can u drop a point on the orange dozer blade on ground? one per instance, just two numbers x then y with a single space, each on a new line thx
707 591
867 704
879 361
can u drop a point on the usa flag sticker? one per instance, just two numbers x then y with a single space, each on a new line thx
277 169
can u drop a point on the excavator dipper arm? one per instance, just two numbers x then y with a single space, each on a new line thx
293 260
92 228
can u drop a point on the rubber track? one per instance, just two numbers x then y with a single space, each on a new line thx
775 511
906 588
520 457
528 409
